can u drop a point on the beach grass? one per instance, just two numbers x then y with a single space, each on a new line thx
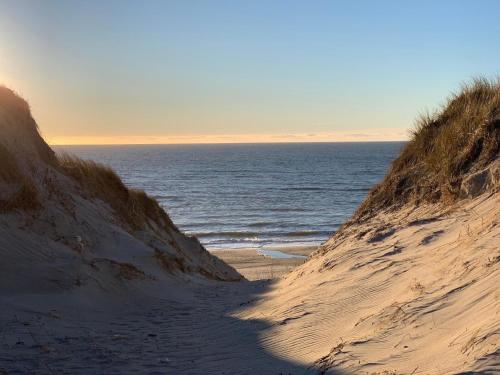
445 146
134 206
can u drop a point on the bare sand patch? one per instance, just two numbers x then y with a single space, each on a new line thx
255 266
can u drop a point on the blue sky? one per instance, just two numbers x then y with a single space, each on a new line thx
241 70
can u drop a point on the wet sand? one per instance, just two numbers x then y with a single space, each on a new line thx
255 266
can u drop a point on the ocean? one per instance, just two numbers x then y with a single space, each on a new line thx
252 195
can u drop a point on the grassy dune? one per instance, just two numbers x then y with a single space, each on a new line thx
461 138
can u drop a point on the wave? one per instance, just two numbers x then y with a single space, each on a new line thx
161 198
354 189
227 234
305 188
261 224
304 233
285 209
256 244
262 235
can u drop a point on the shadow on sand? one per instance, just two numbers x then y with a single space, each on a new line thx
213 342
155 336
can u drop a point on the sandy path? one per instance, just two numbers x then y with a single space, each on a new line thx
196 336
192 329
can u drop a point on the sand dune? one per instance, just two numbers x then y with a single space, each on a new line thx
66 223
409 285
408 293
419 298
95 278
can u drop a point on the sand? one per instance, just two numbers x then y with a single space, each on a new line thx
410 292
254 266
413 292
186 330
167 326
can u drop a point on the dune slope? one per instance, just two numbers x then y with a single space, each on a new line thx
410 285
67 223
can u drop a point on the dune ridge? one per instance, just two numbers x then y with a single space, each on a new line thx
448 148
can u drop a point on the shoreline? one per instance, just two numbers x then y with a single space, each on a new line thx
255 266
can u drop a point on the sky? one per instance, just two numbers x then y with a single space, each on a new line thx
190 71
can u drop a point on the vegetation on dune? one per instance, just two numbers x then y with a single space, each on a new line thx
33 178
462 138
13 102
25 198
135 207
9 170
24 195
15 115
99 181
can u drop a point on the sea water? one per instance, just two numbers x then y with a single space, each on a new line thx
252 195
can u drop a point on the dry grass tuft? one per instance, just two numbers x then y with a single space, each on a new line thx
12 101
15 116
25 199
462 138
9 169
170 263
25 196
125 271
134 207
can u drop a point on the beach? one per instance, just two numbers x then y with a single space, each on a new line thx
255 266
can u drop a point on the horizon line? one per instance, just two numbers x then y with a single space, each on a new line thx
224 143
357 135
